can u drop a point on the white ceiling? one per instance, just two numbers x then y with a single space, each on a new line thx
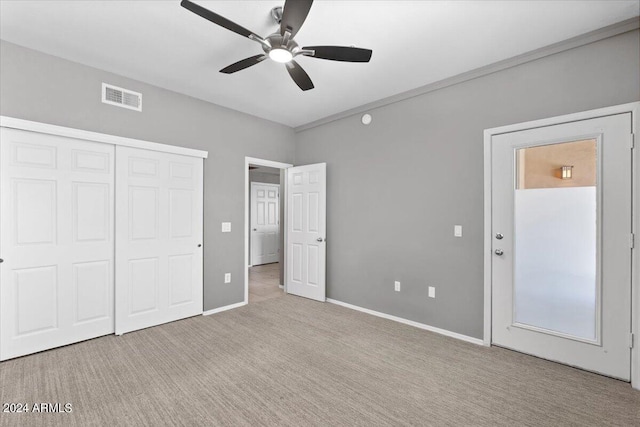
414 43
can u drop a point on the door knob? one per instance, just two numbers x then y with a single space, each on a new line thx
499 236
199 245
319 239
499 252
255 229
1 260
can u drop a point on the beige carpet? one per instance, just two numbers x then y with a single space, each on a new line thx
264 281
291 361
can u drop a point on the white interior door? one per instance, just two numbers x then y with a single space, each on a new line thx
56 241
306 231
159 202
265 223
561 268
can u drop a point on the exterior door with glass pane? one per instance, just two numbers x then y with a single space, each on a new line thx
561 229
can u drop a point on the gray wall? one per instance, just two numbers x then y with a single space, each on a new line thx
43 88
397 187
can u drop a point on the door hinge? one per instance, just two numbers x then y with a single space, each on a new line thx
632 240
631 340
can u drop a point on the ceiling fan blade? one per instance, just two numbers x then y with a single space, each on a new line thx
340 53
299 75
245 63
216 19
293 15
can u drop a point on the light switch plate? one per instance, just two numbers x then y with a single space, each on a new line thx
227 277
396 286
457 230
432 292
226 227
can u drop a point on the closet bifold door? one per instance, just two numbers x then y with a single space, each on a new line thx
159 213
56 241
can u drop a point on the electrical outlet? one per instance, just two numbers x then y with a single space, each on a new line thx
432 292
457 230
226 227
227 277
396 286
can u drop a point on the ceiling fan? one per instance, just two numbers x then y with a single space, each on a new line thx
281 46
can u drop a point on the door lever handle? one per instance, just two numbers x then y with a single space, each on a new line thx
319 239
499 252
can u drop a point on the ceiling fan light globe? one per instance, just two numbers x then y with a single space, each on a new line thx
280 55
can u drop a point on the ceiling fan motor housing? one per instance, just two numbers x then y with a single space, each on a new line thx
277 42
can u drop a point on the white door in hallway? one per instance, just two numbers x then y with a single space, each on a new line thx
265 223
159 213
57 241
561 252
306 231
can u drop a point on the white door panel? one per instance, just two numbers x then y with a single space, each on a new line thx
306 231
561 276
57 241
159 235
265 223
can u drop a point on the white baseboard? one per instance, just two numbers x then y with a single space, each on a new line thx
445 332
225 308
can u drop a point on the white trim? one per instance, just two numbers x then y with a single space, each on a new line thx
444 332
268 184
272 164
634 109
225 308
581 40
11 122
487 239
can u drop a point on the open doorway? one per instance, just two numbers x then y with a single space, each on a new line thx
264 229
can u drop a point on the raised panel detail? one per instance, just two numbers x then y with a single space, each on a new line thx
297 178
313 207
271 194
260 193
143 215
260 206
91 161
92 288
180 279
271 217
296 267
91 211
313 254
36 299
142 167
313 177
180 211
40 156
180 170
296 223
143 285
35 207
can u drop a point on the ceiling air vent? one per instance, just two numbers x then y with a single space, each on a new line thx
120 97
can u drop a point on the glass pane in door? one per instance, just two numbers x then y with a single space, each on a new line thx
555 247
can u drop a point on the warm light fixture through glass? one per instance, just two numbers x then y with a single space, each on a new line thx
567 172
280 55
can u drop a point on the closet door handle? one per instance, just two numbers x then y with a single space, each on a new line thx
199 245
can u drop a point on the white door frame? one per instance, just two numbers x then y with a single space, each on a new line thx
268 163
270 184
634 109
